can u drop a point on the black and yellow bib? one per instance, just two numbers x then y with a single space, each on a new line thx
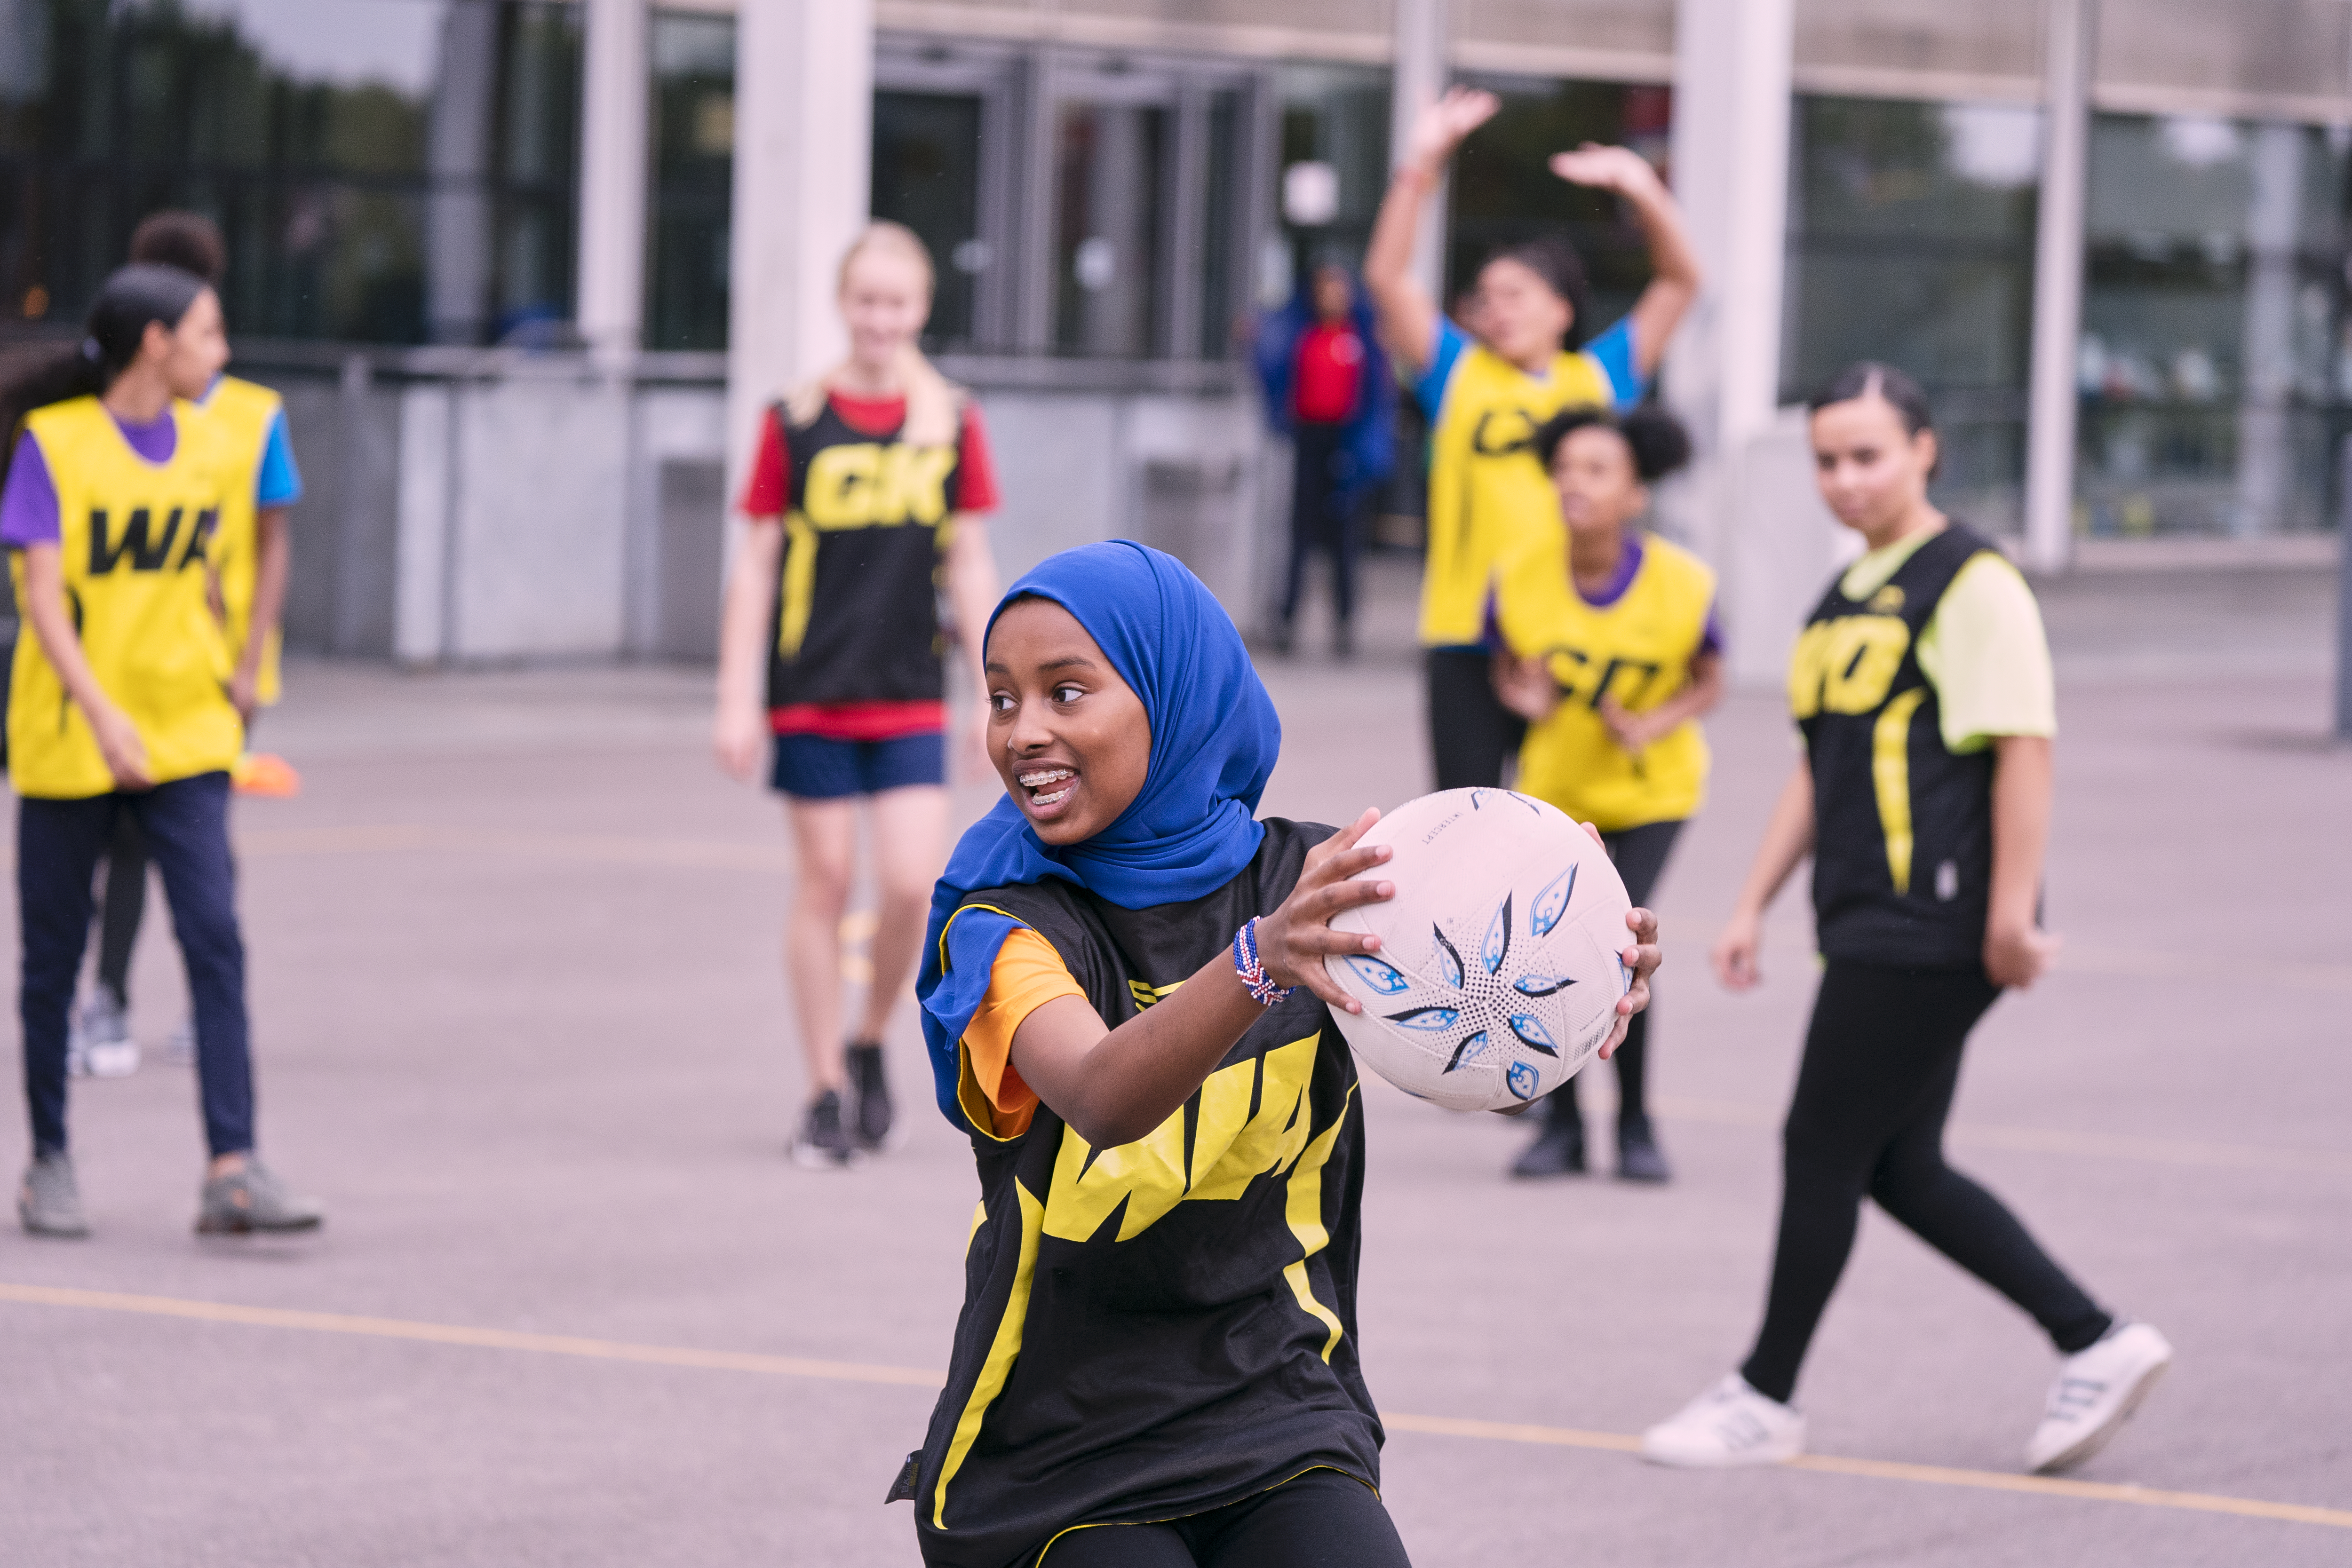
1167 1326
1903 827
133 543
867 520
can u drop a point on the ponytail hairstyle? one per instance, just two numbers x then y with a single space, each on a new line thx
934 404
189 241
1659 443
132 300
1868 378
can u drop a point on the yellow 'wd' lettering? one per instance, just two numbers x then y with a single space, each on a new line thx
1845 665
1230 1147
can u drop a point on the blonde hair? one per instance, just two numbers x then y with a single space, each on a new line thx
934 404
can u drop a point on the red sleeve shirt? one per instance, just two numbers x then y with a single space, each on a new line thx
769 488
1329 374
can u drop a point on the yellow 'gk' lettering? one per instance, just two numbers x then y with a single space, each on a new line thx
874 485
1230 1148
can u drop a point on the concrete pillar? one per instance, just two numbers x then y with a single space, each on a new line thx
2053 394
614 139
2274 223
1730 170
1747 505
804 187
1424 38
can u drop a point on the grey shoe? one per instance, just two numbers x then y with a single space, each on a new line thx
107 1049
49 1203
253 1199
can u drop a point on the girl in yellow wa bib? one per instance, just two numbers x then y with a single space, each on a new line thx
119 705
1613 655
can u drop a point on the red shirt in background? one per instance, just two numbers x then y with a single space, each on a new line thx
765 494
1329 373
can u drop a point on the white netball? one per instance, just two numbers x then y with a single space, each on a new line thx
1498 972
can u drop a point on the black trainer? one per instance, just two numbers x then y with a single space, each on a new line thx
872 1086
1639 1158
1558 1151
824 1143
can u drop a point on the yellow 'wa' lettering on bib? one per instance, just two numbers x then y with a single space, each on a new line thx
134 543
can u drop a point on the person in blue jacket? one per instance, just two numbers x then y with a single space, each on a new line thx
1329 389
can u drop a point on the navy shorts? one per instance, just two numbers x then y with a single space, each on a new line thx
811 768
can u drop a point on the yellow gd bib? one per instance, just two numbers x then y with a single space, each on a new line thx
1638 649
135 542
1488 494
244 412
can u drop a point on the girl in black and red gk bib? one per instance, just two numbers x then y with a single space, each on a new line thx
869 499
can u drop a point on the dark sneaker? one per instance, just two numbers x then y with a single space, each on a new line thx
1639 1158
48 1203
1558 1150
824 1144
872 1086
253 1199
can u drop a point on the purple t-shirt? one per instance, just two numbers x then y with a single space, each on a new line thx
29 506
1629 564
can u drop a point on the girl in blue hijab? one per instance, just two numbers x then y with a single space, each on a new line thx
1124 998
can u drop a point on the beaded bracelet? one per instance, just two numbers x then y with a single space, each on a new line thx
1261 988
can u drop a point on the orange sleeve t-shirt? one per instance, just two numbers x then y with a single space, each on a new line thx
1028 973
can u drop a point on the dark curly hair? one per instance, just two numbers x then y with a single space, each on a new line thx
1656 439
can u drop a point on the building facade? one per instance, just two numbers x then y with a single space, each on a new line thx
528 269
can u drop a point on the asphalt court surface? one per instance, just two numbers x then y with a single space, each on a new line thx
519 1024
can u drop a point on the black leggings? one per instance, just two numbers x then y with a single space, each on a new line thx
125 904
1641 856
1320 1520
1882 1060
1471 734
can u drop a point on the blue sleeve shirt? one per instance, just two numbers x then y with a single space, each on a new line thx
1612 351
280 484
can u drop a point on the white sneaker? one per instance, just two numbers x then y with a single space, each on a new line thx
1728 1424
107 1048
2096 1392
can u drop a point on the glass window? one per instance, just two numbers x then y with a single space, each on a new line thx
693 156
1334 170
927 176
1111 159
1503 189
1911 240
2214 365
387 171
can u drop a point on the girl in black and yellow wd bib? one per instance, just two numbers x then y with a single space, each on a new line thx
1612 653
1125 1002
1923 689
119 702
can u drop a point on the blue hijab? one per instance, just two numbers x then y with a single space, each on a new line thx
1189 831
